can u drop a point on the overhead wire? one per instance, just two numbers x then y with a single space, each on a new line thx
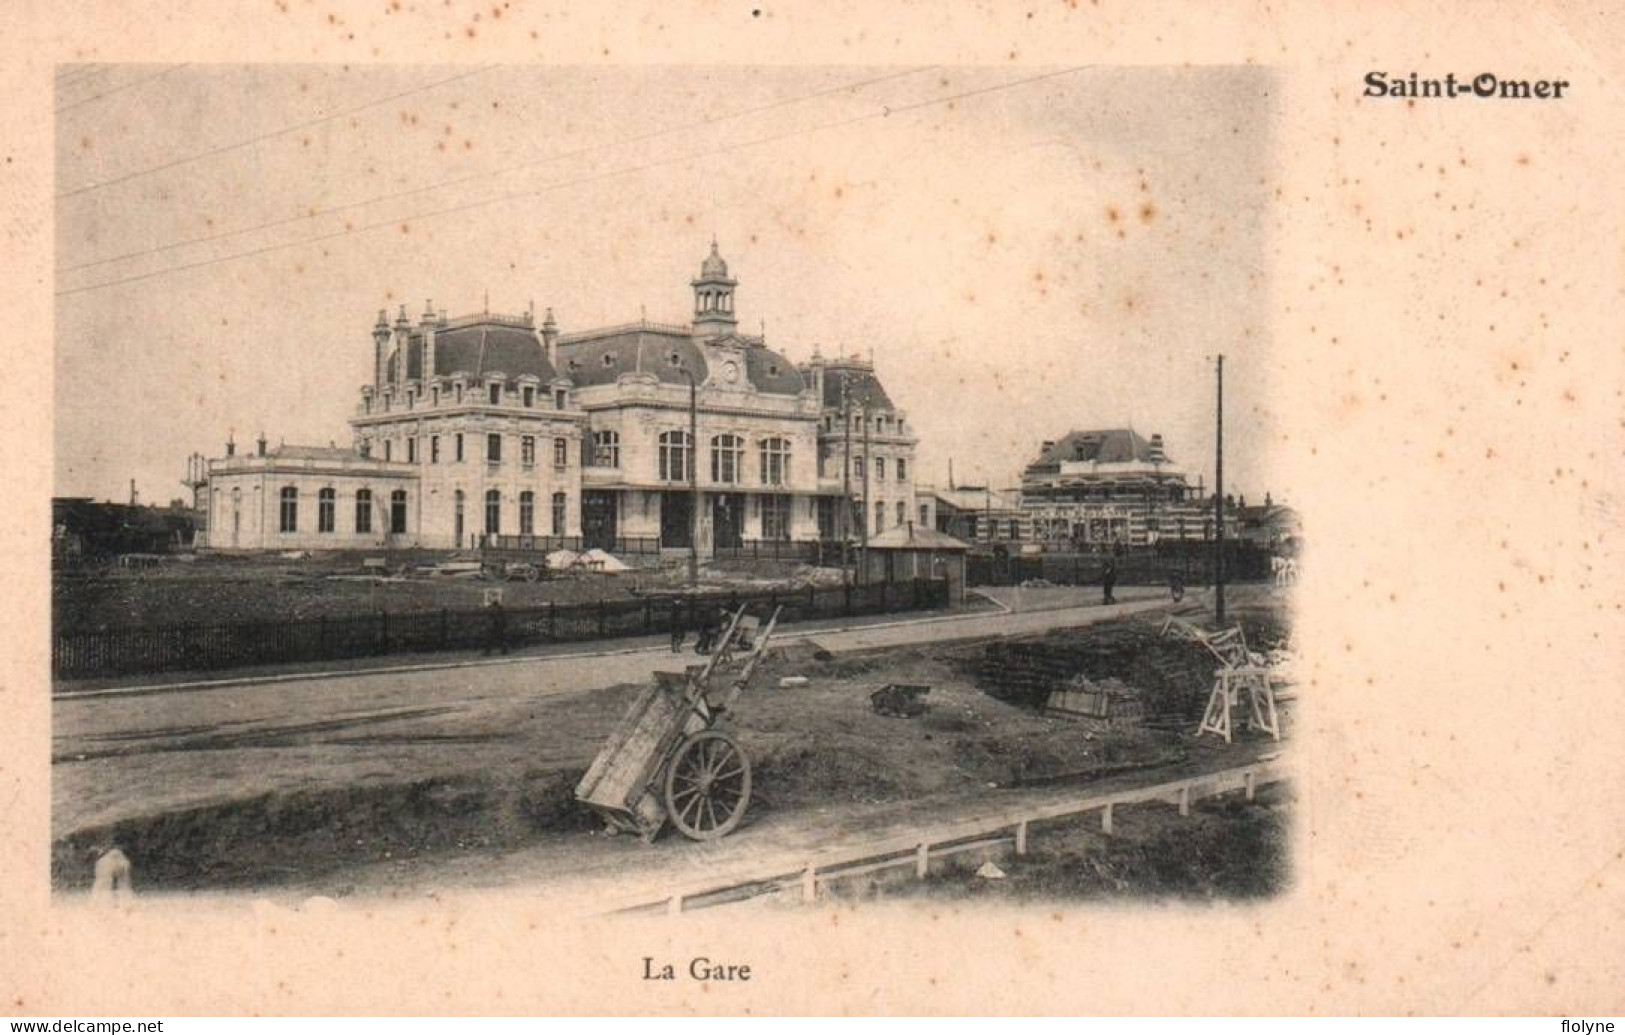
886 112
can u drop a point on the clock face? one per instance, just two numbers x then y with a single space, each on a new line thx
730 371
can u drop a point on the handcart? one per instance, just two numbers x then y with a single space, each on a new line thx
669 758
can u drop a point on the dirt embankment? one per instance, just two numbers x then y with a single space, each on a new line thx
496 779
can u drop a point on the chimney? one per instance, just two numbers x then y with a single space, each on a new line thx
231 445
428 325
1267 501
380 349
403 337
550 339
1155 452
260 445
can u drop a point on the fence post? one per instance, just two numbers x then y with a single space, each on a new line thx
600 619
445 627
383 632
846 598
321 636
553 620
648 616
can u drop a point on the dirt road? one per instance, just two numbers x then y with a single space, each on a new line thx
119 756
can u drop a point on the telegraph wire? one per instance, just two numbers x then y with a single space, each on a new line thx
885 112
488 174
251 141
116 89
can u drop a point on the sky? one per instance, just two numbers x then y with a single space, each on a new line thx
1024 251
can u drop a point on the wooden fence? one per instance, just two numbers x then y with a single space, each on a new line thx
200 647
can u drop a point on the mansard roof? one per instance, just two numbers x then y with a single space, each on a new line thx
480 345
862 386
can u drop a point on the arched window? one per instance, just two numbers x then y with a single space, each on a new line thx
397 512
326 505
606 449
527 513
727 457
560 506
775 461
457 517
676 449
363 510
290 509
493 512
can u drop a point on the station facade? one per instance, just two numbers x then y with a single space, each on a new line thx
491 428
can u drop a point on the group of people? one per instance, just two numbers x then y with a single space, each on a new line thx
708 623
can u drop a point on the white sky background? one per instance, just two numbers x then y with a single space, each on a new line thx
1062 253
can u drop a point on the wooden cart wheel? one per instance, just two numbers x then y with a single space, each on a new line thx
707 785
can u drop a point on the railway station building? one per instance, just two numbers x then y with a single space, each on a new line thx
501 429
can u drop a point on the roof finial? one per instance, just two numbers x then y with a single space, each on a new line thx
487 301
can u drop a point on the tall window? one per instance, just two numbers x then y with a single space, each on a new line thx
389 449
495 391
397 512
290 509
363 510
561 398
857 467
457 517
326 505
880 468
880 517
925 515
775 461
561 452
902 469
675 450
434 449
493 448
776 517
411 449
527 513
459 393
606 449
902 512
527 450
560 502
434 396
493 512
458 442
528 394
727 457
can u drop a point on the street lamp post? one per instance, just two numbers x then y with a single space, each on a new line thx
693 478
1218 500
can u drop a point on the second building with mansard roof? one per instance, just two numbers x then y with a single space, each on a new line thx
501 427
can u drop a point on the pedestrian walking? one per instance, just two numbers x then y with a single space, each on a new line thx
496 628
679 625
1108 579
707 637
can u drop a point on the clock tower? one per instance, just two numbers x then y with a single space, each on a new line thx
714 298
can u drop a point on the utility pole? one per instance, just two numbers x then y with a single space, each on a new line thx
1218 502
693 478
868 476
844 530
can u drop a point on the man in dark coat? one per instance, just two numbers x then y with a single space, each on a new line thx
496 629
1108 579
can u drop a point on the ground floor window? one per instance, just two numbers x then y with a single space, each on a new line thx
363 510
776 517
560 505
493 512
397 512
326 505
457 518
290 509
880 517
527 513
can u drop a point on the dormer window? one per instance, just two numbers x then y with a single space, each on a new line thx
434 396
496 394
529 395
561 399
